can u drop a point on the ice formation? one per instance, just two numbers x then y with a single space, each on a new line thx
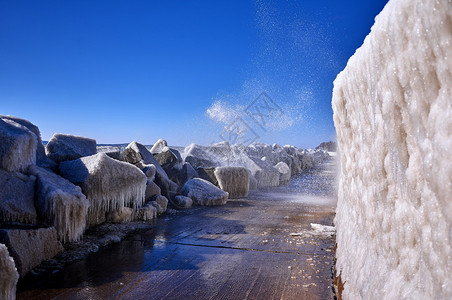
234 180
17 193
284 172
41 158
107 183
60 204
202 192
30 246
62 147
18 146
393 115
159 146
8 275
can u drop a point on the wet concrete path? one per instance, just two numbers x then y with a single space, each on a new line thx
261 247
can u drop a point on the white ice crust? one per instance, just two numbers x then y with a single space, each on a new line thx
393 115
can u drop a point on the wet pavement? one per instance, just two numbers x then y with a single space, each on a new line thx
261 247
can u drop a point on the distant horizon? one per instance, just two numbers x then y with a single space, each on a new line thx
186 72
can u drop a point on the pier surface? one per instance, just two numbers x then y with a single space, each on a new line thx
261 247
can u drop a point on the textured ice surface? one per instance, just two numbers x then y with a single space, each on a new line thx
107 183
62 147
234 180
202 192
8 275
60 203
393 115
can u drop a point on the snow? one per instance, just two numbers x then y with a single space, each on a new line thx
393 116
8 275
107 183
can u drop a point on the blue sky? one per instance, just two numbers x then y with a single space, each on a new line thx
119 71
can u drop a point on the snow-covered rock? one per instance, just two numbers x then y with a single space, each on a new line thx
111 151
41 158
234 180
203 192
17 147
60 203
8 275
150 171
63 147
159 146
29 247
393 115
108 184
17 198
284 172
162 203
182 201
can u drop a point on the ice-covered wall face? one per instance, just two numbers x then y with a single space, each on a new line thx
8 275
393 115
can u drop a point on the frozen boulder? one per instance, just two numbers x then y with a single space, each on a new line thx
159 146
149 171
170 161
234 180
8 275
284 172
253 182
182 201
162 202
136 153
60 203
202 192
41 158
63 147
393 116
199 157
17 198
112 151
107 183
30 246
208 174
17 147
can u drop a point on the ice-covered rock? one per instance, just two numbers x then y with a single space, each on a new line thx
199 157
124 214
208 174
162 203
182 201
253 182
30 246
159 146
60 203
136 153
41 158
8 275
203 192
393 116
150 171
17 198
108 184
63 147
171 162
17 147
234 180
284 172
112 151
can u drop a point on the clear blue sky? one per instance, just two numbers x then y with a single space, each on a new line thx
119 71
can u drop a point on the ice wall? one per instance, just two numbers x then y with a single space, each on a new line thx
393 115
